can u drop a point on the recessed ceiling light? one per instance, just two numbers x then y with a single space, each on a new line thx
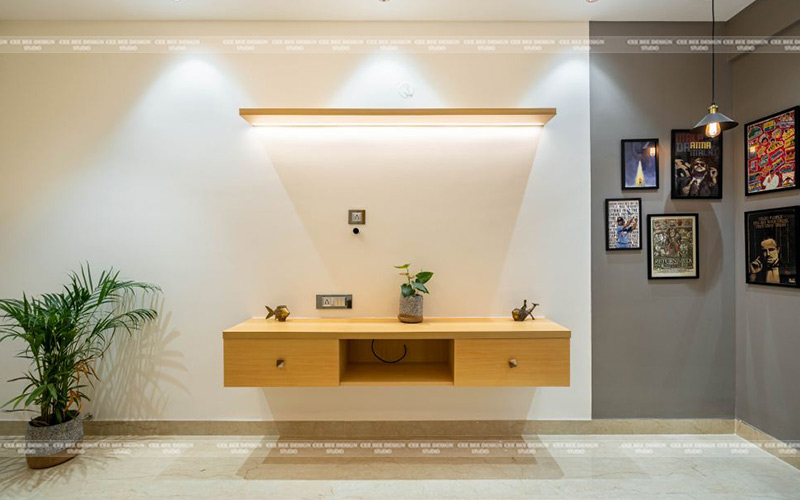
591 1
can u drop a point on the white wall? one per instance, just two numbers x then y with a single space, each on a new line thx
141 162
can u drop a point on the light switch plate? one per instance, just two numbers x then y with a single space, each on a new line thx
356 216
334 301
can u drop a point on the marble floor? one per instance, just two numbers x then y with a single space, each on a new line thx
243 467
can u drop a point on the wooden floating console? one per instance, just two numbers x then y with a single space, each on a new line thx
440 351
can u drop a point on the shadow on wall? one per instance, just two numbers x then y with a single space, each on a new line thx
410 403
444 199
140 371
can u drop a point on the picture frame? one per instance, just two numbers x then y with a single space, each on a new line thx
639 164
623 224
673 246
772 247
696 171
770 153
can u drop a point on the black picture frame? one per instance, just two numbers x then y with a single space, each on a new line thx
713 160
607 222
788 244
624 161
651 246
747 152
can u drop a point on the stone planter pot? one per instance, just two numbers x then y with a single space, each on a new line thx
51 445
410 309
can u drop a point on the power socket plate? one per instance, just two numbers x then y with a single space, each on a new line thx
334 301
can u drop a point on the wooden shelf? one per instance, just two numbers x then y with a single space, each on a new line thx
391 328
419 117
397 374
469 352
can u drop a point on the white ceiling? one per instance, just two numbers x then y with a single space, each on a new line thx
370 10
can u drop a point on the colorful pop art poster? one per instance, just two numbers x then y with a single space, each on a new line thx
771 153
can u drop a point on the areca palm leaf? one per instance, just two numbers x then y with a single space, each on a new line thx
65 332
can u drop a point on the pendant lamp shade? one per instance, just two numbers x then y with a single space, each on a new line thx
714 116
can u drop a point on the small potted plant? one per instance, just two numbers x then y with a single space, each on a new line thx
410 294
64 334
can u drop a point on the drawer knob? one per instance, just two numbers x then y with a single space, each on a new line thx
512 362
280 363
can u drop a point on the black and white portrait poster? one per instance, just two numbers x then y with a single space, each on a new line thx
772 246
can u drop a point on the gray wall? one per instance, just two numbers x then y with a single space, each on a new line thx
662 348
767 319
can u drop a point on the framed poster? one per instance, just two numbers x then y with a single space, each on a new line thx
673 246
640 164
770 151
771 243
696 169
623 230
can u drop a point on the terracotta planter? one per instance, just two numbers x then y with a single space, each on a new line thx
410 309
50 445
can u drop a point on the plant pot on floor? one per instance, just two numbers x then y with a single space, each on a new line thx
410 309
50 445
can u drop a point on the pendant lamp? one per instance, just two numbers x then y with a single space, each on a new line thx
714 123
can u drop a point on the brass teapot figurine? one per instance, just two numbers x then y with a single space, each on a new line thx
523 312
280 312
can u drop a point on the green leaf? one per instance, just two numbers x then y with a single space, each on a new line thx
424 276
406 290
419 286
63 332
404 266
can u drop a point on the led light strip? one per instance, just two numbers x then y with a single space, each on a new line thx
428 117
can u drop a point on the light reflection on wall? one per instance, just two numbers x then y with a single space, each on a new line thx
376 84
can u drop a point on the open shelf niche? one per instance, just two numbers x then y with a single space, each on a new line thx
428 362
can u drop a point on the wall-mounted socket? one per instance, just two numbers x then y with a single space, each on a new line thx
356 216
334 301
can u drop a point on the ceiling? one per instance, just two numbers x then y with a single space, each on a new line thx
369 10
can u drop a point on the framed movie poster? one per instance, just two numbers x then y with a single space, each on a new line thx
772 246
770 152
673 246
696 165
623 230
640 164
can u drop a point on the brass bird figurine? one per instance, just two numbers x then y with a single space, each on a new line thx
523 312
280 312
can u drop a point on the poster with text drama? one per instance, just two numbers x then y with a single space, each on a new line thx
770 152
772 246
696 165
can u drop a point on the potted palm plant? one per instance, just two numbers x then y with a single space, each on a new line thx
410 294
64 334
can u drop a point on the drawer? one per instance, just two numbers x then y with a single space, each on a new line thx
256 363
512 362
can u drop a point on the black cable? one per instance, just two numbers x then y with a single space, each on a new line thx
405 351
713 54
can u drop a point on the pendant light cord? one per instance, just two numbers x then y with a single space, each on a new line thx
713 54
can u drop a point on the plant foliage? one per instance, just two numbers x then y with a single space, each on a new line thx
415 283
65 333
